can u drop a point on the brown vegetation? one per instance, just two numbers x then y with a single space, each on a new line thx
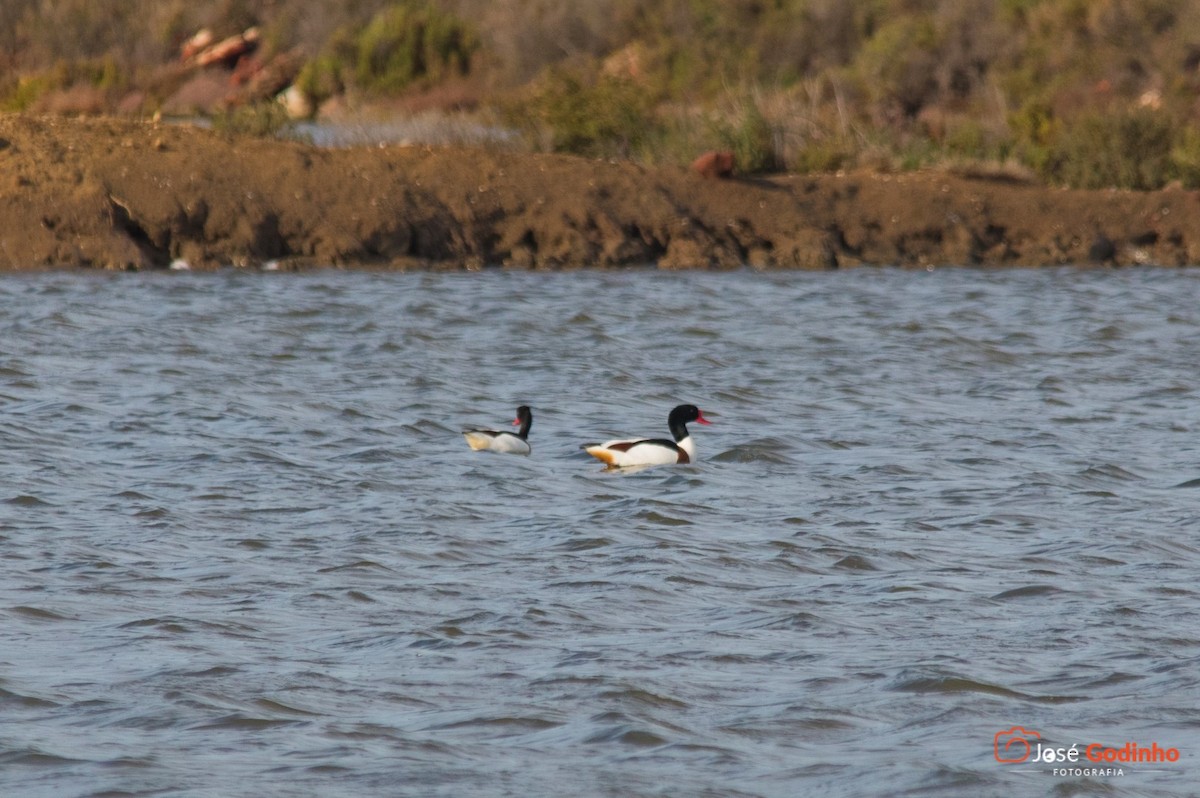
908 132
1078 92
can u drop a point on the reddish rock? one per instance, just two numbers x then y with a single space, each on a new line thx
192 47
245 70
714 163
228 51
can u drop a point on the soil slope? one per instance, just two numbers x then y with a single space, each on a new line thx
117 194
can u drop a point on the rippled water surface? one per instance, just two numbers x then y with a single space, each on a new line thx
246 551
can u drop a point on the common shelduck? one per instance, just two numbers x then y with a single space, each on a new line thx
499 441
653 451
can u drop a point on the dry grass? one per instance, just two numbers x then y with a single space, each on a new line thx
796 84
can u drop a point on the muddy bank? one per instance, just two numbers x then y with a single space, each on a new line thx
114 194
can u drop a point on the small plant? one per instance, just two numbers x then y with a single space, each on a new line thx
263 119
404 45
609 116
1034 129
321 78
824 155
1185 158
898 65
1121 149
754 141
103 74
25 92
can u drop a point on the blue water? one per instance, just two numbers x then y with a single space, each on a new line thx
248 553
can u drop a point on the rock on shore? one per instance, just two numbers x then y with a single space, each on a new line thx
117 194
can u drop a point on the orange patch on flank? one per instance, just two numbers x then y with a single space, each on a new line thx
602 454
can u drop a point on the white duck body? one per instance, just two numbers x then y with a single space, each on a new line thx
652 451
500 441
647 451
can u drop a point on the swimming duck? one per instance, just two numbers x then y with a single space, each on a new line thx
653 451
502 441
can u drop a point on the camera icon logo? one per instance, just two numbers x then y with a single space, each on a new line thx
1013 745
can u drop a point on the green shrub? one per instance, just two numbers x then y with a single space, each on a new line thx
263 119
916 152
1122 149
1034 130
824 155
25 92
102 73
746 130
322 78
610 116
403 45
1185 158
898 65
967 139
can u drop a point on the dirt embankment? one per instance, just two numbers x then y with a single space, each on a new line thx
114 194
